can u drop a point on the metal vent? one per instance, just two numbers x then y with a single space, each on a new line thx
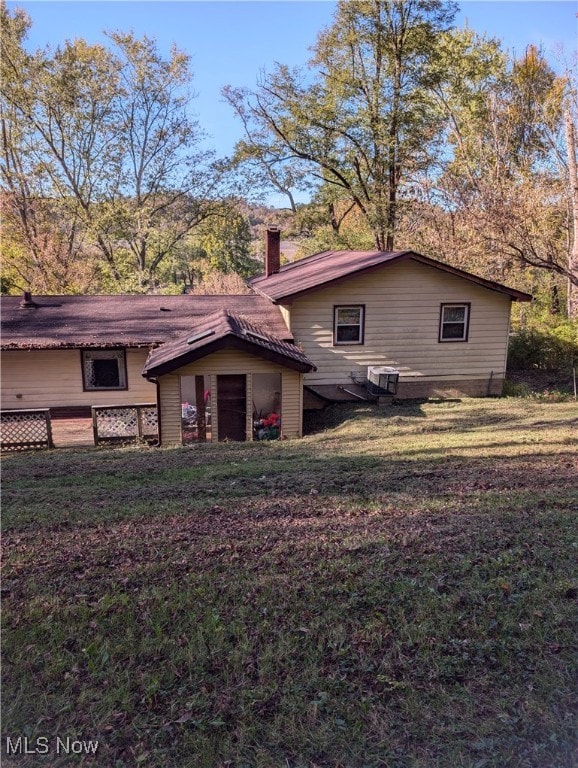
200 335
254 335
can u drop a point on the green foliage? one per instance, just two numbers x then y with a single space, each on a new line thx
544 346
347 228
525 390
225 242
515 389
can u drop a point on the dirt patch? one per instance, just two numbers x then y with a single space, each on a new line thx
544 381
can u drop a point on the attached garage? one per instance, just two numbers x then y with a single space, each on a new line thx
229 381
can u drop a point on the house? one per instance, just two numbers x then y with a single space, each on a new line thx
240 367
445 330
68 353
248 373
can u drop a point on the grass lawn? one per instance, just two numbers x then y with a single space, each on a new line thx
397 589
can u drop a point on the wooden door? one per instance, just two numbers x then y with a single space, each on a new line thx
232 407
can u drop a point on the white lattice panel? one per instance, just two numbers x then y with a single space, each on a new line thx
150 421
116 422
25 429
131 422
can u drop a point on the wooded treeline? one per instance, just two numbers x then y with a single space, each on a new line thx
403 130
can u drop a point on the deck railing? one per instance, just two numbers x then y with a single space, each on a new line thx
125 423
24 430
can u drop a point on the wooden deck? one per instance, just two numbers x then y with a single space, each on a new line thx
72 433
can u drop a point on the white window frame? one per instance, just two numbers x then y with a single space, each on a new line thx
466 306
336 325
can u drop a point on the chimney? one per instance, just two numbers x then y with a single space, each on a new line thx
27 302
273 251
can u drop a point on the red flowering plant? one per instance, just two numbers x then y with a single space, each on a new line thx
268 427
272 420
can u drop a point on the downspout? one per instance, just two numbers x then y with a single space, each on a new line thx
158 386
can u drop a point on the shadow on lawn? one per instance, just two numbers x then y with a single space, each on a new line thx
311 510
253 478
339 413
407 413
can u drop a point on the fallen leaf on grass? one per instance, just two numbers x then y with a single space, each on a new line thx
184 718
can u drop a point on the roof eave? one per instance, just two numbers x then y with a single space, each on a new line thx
481 281
514 294
278 299
29 347
229 341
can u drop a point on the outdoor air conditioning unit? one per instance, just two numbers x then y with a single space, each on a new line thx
381 380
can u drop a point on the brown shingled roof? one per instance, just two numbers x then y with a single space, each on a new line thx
222 330
65 322
321 269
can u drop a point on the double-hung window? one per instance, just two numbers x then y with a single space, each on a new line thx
348 324
454 322
104 369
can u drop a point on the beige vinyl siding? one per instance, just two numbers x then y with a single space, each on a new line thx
249 411
286 315
222 363
214 411
170 408
402 314
53 378
292 403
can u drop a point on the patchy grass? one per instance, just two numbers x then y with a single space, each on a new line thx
397 590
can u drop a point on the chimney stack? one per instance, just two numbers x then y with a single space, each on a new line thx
273 251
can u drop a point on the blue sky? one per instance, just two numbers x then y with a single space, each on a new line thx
231 42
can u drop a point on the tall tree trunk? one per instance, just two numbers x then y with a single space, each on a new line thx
573 252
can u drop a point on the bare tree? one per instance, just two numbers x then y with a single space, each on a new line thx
107 135
360 123
571 147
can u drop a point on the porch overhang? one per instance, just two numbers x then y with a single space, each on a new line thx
223 330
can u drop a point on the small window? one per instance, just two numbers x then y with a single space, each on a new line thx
454 322
348 325
104 369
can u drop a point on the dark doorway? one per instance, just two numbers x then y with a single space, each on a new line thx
232 407
196 408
